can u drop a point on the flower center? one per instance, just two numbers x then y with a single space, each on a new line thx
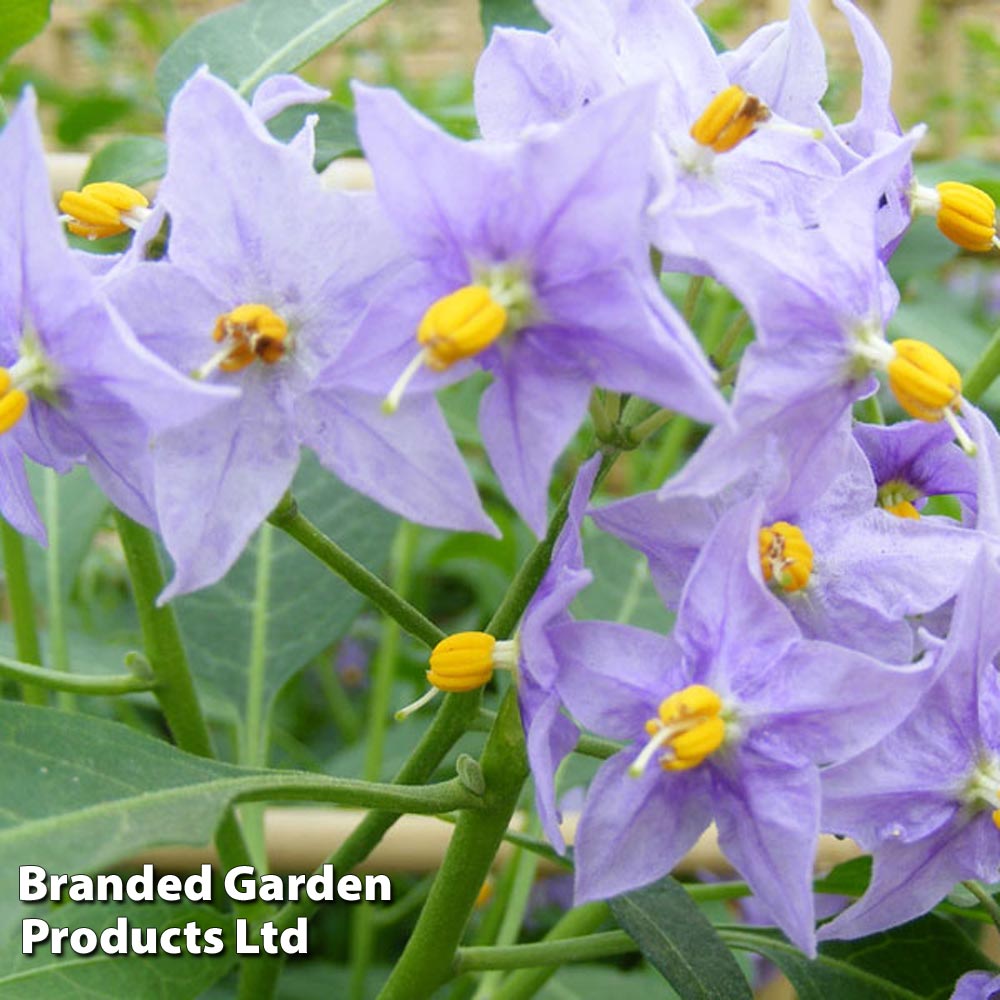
251 332
897 496
786 558
983 788
688 728
965 214
463 662
32 374
106 208
730 117
466 322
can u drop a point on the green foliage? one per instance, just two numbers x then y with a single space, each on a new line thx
20 21
134 160
336 130
678 940
509 13
251 41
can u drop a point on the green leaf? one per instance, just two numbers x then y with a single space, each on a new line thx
251 41
89 114
307 607
509 13
850 878
678 940
44 976
20 21
918 961
336 130
135 160
584 982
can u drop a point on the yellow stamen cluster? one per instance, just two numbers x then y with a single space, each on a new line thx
995 815
106 208
13 402
967 216
459 326
689 727
729 118
903 509
251 332
462 662
786 558
896 497
925 383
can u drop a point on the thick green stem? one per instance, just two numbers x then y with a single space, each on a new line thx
526 982
89 684
290 519
984 372
22 606
519 956
427 960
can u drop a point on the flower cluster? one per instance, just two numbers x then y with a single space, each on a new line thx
831 666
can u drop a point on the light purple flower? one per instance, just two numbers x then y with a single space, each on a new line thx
923 800
95 394
551 227
788 705
977 986
252 226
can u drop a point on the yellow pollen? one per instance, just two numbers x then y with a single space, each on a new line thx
459 326
689 727
967 216
102 209
462 662
484 895
786 558
729 118
251 332
904 509
13 403
996 818
925 383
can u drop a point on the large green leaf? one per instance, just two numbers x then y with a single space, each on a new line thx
918 961
307 607
20 21
78 793
678 940
133 160
251 41
336 132
44 976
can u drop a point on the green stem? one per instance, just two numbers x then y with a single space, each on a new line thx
694 288
427 960
528 577
869 411
988 903
290 519
578 922
649 426
58 649
599 418
342 710
89 684
255 749
519 956
671 448
539 847
22 605
984 371
729 339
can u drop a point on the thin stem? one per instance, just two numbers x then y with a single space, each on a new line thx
984 371
599 417
161 636
649 426
22 605
729 339
988 903
694 288
290 519
255 750
342 710
578 922
519 956
89 684
427 960
670 451
869 411
58 649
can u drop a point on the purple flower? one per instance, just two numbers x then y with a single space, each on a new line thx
266 277
730 718
528 260
977 986
76 385
925 799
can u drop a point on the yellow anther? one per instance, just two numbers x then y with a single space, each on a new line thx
484 895
903 509
786 558
925 383
106 208
996 818
689 728
967 216
13 404
251 332
462 662
729 118
459 326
